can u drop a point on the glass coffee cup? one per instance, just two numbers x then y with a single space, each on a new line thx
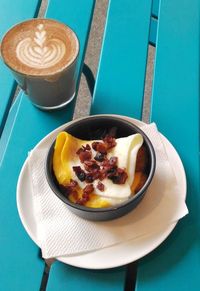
42 55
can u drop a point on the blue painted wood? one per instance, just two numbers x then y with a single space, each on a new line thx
27 275
60 273
120 79
30 125
67 277
153 31
175 108
155 8
11 12
7 131
21 268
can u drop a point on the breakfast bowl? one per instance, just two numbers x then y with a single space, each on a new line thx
107 144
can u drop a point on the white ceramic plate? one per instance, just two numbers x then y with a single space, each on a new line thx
110 257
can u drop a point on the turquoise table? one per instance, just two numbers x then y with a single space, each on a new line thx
172 26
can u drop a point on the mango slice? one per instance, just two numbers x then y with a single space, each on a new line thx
65 149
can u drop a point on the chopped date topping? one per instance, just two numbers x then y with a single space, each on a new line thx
79 151
91 166
70 188
111 171
88 189
79 173
83 149
66 190
109 141
86 147
105 163
90 163
99 147
74 194
81 201
113 161
96 174
81 176
93 170
84 155
100 186
120 170
97 167
86 196
73 183
110 166
99 157
89 178
94 145
119 177
102 175
102 147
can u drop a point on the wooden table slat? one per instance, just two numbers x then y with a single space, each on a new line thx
21 268
8 127
11 12
175 108
120 79
155 8
63 277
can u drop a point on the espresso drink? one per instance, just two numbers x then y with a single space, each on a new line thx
42 54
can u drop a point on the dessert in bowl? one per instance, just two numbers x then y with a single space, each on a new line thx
100 166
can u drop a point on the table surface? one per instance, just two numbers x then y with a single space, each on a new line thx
172 26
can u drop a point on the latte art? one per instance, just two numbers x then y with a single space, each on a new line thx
40 47
40 52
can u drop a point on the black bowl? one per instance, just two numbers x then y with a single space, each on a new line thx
94 127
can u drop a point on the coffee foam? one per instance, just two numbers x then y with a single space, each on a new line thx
38 52
39 47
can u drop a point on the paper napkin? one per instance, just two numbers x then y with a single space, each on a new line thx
62 233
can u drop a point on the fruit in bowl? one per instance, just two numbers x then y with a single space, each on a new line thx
100 166
99 173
